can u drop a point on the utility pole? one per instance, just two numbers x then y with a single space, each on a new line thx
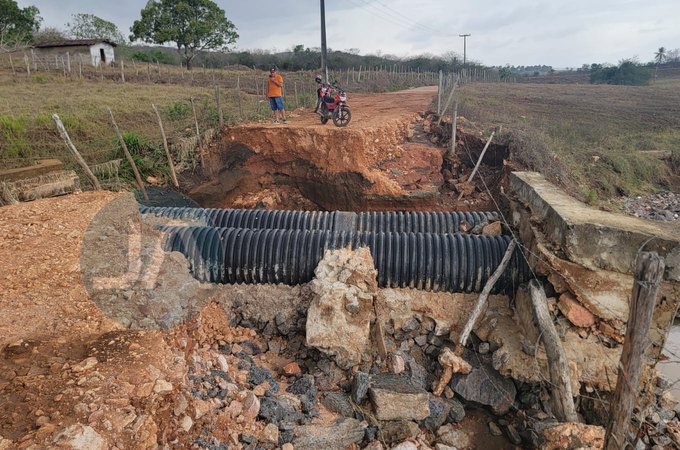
464 36
324 55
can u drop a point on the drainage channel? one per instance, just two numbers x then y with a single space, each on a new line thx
407 222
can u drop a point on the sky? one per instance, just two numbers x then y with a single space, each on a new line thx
517 32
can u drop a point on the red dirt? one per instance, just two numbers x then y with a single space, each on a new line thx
383 160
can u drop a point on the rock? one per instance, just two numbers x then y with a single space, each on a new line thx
222 363
85 364
397 364
494 429
6 444
394 398
292 369
42 420
407 445
439 412
251 406
374 445
338 402
280 410
573 435
448 358
444 447
513 435
360 383
342 277
287 446
186 423
80 437
668 401
181 404
398 430
335 436
484 348
574 311
456 410
270 434
485 386
410 325
449 435
493 229
421 340
162 387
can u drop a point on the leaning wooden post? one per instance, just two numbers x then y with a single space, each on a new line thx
218 101
558 364
452 148
128 156
446 105
165 146
479 162
72 148
648 274
193 108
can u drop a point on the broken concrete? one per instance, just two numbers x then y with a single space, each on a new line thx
395 398
339 317
593 238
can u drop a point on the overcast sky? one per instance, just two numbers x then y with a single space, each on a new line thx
519 32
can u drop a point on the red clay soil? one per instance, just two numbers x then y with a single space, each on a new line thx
382 160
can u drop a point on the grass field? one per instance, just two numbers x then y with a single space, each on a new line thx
590 139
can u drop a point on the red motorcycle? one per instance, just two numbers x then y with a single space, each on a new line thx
334 106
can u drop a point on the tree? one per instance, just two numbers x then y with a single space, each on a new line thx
89 26
192 25
17 25
660 55
49 34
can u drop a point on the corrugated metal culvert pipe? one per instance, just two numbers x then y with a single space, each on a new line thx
407 222
452 262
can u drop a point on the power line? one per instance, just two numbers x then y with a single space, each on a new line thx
394 17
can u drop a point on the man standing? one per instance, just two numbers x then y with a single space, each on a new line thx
275 92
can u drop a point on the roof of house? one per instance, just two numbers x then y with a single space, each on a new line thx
73 43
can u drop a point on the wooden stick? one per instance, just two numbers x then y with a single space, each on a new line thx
165 146
193 107
454 122
122 70
238 92
28 67
439 94
72 148
484 297
446 105
481 157
219 106
558 364
648 275
11 63
128 156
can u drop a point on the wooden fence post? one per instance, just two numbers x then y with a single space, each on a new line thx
238 93
128 156
165 146
218 101
122 70
28 67
72 148
68 62
439 94
558 364
452 148
80 66
648 275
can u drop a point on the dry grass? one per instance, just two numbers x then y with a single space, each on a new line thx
587 138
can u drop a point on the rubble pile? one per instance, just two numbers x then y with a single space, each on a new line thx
662 206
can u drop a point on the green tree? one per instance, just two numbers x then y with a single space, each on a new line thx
17 25
89 26
192 25
659 57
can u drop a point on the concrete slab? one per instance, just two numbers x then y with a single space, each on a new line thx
42 167
592 238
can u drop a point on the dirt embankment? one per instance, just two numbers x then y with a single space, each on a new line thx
385 159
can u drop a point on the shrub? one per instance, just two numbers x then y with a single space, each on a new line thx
177 111
627 73
153 56
13 133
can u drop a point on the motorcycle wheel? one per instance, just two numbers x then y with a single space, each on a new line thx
324 114
342 116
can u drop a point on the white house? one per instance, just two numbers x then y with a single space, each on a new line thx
97 51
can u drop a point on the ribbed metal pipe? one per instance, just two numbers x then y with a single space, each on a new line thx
437 262
386 222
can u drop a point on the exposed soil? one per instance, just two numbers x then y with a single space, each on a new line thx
390 157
